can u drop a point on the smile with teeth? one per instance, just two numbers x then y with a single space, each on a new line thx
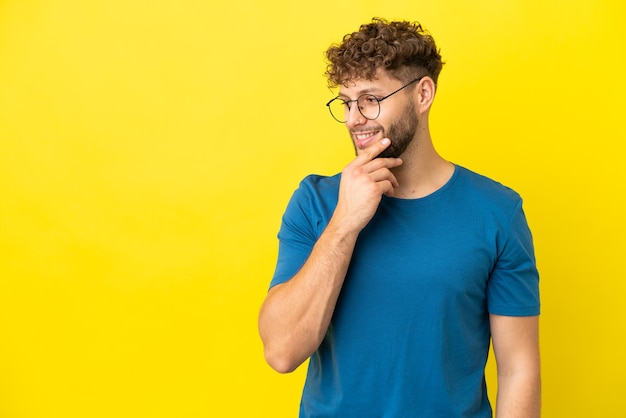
363 138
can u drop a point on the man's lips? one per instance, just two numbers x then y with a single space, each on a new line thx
364 138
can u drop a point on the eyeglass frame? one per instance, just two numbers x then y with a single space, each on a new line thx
347 102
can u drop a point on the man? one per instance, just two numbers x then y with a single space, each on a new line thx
393 276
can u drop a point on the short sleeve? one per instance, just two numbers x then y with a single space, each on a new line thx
513 287
296 236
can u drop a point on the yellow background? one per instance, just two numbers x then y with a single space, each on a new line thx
147 151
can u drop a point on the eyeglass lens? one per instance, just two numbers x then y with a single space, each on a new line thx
367 105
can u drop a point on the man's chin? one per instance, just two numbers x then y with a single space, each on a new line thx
390 152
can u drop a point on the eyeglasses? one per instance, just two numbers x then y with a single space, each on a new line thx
367 104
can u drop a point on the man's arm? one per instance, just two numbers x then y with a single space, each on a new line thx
516 347
296 314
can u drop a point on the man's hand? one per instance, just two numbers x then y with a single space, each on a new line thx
363 182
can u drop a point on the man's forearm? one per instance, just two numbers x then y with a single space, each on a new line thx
295 316
519 395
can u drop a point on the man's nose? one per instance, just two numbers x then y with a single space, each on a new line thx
354 116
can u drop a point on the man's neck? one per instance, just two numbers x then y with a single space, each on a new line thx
423 170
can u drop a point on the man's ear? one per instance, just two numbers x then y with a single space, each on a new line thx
425 94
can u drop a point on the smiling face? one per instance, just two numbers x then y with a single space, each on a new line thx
397 120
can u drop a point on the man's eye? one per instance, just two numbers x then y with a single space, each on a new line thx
370 100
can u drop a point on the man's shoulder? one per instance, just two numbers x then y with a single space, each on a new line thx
320 185
316 193
487 188
321 181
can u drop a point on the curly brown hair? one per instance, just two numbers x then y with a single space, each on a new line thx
404 49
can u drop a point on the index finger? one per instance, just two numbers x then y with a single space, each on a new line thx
372 152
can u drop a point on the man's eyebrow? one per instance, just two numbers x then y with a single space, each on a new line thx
368 90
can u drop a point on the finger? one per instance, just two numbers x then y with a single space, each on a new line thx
384 175
378 163
387 188
372 152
